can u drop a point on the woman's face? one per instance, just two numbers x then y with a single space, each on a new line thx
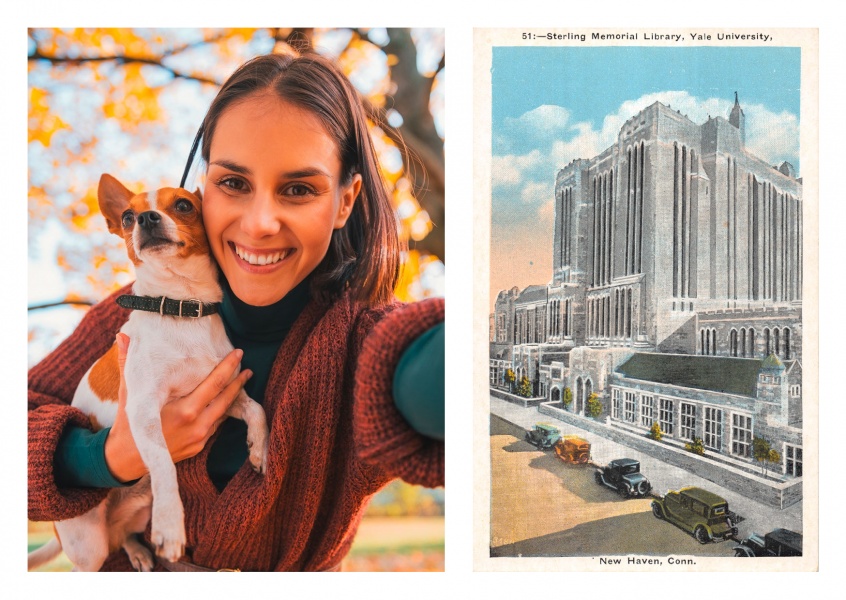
273 196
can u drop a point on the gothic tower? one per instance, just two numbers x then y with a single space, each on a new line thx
738 119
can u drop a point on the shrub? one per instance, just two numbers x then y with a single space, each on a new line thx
655 432
696 446
568 397
525 388
594 406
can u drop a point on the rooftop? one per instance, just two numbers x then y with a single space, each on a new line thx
713 373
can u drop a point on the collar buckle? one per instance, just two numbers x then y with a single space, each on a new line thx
199 308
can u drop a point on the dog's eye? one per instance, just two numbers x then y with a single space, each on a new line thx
184 206
127 219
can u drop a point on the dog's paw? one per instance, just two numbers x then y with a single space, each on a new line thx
141 558
168 548
168 534
257 444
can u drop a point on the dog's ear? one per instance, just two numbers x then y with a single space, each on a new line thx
114 199
199 194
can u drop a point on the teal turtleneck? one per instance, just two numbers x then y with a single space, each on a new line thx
259 332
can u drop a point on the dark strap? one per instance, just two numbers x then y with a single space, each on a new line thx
192 309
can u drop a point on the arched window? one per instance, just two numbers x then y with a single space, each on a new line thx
777 341
714 342
752 342
733 342
787 343
701 341
767 347
743 342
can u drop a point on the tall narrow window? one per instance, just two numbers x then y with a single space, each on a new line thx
647 408
665 416
786 343
630 407
741 435
688 421
714 428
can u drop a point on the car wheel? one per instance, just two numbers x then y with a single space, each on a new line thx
740 552
583 459
656 510
643 488
623 491
598 477
701 535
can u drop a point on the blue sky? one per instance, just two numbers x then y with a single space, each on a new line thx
551 105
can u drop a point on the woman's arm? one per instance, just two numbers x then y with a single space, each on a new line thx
51 387
383 435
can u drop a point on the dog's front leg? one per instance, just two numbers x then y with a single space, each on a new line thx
252 413
143 412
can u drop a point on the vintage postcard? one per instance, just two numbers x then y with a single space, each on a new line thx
647 383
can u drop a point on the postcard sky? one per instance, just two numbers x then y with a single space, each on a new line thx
552 105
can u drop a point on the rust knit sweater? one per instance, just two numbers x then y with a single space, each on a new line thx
335 439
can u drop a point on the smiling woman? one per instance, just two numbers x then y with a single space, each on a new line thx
351 381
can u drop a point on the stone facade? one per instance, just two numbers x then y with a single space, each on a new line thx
674 240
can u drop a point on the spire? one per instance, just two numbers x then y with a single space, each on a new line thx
738 119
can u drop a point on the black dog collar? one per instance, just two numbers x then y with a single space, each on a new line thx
192 309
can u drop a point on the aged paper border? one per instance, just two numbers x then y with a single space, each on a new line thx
484 40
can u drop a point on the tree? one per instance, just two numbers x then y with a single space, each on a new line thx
525 387
696 446
655 431
129 102
568 398
594 406
764 454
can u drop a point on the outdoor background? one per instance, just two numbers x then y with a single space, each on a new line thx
129 101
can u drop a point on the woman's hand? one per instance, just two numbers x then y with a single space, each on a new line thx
187 422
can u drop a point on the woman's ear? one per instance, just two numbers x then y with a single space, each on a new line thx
349 195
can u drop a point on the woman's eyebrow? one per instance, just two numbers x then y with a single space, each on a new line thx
306 172
231 166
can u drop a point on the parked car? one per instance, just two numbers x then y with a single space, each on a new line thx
778 542
702 513
543 436
573 449
624 476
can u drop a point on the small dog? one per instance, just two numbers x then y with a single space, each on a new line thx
173 348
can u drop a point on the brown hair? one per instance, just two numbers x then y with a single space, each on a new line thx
364 254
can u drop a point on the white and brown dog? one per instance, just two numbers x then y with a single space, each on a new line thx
176 340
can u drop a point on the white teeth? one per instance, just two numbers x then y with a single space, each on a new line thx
260 260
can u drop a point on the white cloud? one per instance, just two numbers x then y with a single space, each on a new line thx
772 136
535 192
511 169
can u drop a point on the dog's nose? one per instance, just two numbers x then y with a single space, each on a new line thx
149 219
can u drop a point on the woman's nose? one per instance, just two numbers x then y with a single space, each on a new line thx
262 216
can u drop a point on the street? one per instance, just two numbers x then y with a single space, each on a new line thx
541 506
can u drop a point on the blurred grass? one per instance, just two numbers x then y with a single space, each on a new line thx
382 544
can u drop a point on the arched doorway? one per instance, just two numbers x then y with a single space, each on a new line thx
555 395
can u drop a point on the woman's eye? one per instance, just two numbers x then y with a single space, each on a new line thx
184 206
127 219
233 183
298 189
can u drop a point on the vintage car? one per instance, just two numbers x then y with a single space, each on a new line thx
624 476
778 542
573 449
543 436
699 512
